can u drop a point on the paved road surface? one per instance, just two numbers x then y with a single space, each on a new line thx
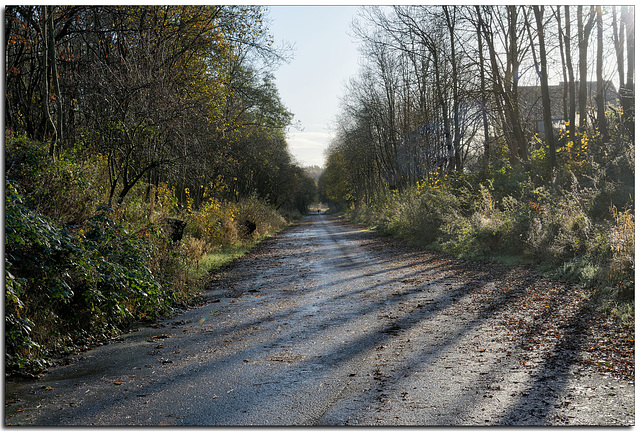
326 324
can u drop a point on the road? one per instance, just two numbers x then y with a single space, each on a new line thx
327 324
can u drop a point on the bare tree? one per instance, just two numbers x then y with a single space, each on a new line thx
565 90
584 33
571 83
602 120
544 84
44 30
450 15
505 80
628 95
483 89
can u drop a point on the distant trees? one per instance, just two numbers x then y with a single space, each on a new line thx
181 94
447 88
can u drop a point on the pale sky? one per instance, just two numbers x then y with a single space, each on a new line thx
324 58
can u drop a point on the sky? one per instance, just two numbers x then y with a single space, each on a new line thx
311 84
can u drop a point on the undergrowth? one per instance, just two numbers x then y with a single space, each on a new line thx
579 226
78 272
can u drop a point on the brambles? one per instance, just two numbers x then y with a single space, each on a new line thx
66 283
76 278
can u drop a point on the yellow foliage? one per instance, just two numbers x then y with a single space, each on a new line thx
622 235
166 196
575 153
212 219
189 200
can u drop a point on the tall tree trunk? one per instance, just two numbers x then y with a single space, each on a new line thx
565 112
618 44
445 114
45 77
628 99
483 91
513 68
51 48
572 81
584 31
457 138
544 84
503 102
602 120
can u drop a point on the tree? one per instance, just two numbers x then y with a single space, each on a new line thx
584 33
544 84
134 87
626 97
506 80
571 84
450 15
165 93
334 181
28 77
432 76
427 88
628 94
602 120
483 88
565 90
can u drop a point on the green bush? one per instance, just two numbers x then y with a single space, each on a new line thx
63 285
68 189
459 238
78 272
417 213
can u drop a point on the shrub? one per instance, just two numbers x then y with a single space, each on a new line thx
498 228
560 228
64 285
417 213
459 239
212 222
435 208
77 272
67 190
545 224
254 210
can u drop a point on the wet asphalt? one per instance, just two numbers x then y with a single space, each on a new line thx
320 325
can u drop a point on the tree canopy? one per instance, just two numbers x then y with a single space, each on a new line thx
462 88
182 94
